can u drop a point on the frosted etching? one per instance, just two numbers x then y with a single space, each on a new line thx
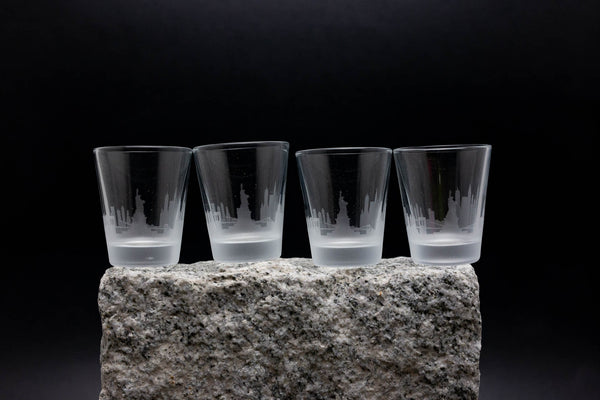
124 225
132 240
243 238
464 216
339 242
370 220
270 217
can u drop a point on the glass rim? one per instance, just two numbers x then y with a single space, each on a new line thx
442 147
142 149
343 150
242 145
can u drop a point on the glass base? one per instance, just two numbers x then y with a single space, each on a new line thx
143 253
445 252
241 251
345 254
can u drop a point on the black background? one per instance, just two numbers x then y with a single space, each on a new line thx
520 75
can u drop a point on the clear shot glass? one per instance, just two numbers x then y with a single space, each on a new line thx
243 192
143 192
443 191
345 192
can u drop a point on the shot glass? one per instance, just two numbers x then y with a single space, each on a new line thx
443 190
243 192
143 192
345 192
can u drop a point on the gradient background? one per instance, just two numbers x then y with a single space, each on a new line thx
520 75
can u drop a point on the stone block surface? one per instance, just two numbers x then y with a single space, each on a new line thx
286 329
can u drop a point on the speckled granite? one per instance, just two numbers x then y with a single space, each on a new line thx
286 329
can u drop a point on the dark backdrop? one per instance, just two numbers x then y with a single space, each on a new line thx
520 75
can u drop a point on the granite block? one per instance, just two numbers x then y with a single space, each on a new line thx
286 329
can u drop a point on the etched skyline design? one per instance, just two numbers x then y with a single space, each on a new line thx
136 224
461 217
370 219
218 217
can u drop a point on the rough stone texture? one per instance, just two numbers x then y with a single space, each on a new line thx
286 329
